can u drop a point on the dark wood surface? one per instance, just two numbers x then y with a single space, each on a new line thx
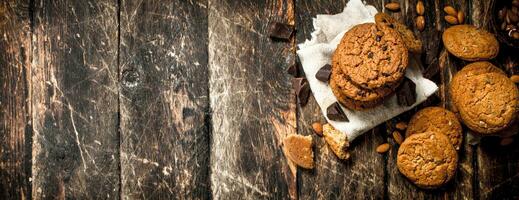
123 99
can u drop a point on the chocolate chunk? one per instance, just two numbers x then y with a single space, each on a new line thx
334 112
406 93
431 70
304 94
281 31
324 73
384 48
295 69
302 90
378 38
370 55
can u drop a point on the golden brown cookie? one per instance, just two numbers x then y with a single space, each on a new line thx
350 95
298 149
372 58
427 159
412 43
472 69
439 120
337 141
487 103
470 43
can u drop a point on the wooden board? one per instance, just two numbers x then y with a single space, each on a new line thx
15 128
251 100
335 179
75 103
164 100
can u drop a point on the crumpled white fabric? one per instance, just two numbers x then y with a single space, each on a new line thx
318 51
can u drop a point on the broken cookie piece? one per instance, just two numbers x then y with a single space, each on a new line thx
299 150
337 141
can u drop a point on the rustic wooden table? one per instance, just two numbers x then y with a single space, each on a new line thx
188 99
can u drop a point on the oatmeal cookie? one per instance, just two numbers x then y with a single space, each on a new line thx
438 120
427 159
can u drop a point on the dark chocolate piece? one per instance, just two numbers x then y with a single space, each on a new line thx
406 93
301 89
324 73
281 31
334 112
295 69
304 94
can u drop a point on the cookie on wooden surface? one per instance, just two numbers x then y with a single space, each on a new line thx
372 57
439 120
337 141
427 159
470 43
412 43
298 149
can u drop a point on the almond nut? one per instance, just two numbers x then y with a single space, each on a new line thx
393 6
318 128
401 126
420 23
420 9
506 141
450 10
398 137
461 17
515 35
515 78
383 148
451 20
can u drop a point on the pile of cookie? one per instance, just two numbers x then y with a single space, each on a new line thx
483 98
369 64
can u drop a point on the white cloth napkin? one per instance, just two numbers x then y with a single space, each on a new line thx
318 51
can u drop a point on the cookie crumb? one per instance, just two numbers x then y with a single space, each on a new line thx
337 141
298 149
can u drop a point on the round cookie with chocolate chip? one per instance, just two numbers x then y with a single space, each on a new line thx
351 96
470 43
427 159
412 43
487 103
439 120
372 57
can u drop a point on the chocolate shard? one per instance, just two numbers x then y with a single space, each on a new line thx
302 90
304 94
295 69
281 30
334 112
406 93
324 73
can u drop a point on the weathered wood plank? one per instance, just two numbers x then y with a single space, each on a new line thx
15 107
75 102
461 187
498 166
164 100
251 100
362 177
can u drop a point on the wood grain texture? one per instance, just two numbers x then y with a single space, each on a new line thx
332 178
15 107
75 103
252 104
164 100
